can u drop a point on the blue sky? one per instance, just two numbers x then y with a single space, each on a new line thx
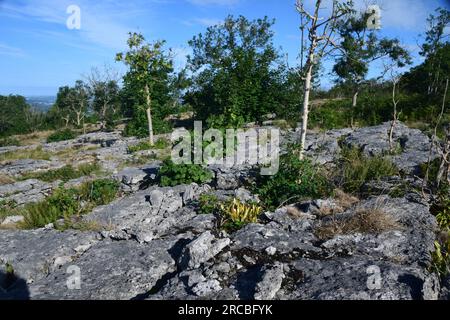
38 53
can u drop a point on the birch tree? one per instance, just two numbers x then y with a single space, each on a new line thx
320 38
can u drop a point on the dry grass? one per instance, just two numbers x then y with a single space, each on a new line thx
36 154
33 138
365 221
344 200
4 179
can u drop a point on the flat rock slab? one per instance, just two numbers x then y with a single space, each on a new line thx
34 254
111 270
18 167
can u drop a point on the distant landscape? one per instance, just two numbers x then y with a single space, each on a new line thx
41 103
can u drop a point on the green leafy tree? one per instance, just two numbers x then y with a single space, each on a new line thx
14 112
429 77
359 48
146 85
72 103
236 72
105 92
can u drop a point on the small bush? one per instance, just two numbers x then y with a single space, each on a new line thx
296 180
61 135
440 258
357 169
171 174
62 203
8 142
64 174
236 214
65 203
100 192
208 204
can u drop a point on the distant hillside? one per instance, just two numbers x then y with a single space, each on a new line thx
42 103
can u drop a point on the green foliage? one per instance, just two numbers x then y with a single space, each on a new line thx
355 169
171 174
148 77
65 203
145 145
9 208
7 142
15 115
64 174
62 203
72 104
208 204
238 73
440 258
61 135
236 214
295 180
360 47
100 192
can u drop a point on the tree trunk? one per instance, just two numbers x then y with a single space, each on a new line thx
394 120
306 104
149 115
355 98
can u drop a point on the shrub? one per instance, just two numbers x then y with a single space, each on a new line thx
171 174
208 204
7 142
236 214
65 203
295 180
62 203
61 135
357 169
440 258
100 192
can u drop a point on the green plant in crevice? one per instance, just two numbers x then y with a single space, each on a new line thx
208 204
171 174
61 135
355 169
440 258
236 214
99 192
295 180
67 203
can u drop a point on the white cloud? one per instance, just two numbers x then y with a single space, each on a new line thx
7 50
104 24
399 14
207 22
214 2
